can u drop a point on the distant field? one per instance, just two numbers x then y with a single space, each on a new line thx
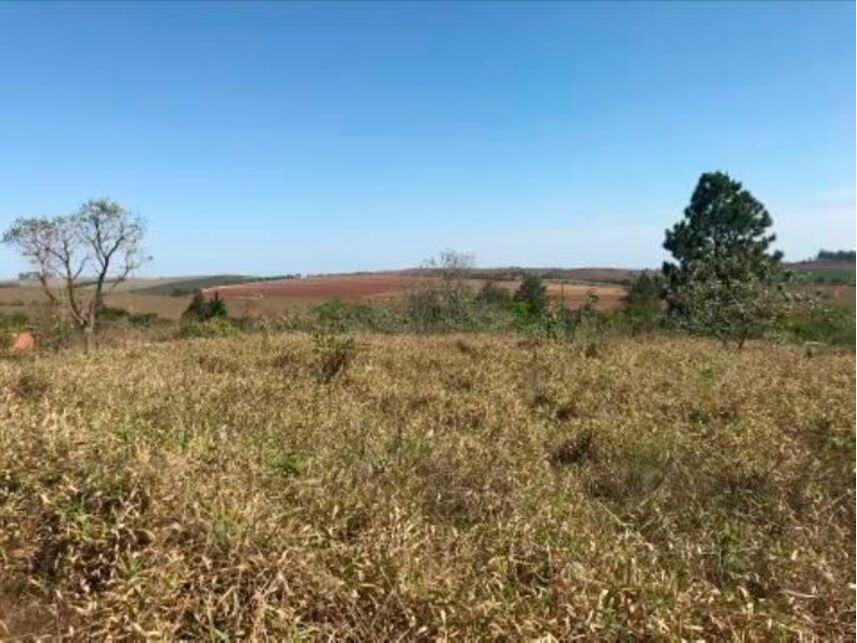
253 296
187 285
347 287
30 298
274 296
253 299
834 272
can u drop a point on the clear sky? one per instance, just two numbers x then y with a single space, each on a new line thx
270 138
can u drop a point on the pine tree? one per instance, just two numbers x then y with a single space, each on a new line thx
722 282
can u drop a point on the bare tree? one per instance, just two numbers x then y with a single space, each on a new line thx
82 256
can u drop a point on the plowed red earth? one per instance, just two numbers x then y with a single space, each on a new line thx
341 286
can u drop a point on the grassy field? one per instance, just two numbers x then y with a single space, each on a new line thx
31 300
436 487
824 272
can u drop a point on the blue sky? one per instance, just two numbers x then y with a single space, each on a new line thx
270 138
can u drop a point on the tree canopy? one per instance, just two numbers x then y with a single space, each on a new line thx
721 280
98 246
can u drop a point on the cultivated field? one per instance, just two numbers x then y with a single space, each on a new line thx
273 296
168 297
439 487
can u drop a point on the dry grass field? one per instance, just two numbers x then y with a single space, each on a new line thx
29 299
469 487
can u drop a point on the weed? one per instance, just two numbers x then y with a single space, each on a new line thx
333 354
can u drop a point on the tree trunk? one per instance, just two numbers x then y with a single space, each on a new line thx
89 339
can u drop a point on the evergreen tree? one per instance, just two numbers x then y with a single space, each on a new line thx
722 279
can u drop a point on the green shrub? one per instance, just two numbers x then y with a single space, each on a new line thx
341 316
533 293
109 315
819 321
214 327
13 321
202 309
644 306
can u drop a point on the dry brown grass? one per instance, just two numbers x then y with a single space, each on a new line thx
31 301
459 487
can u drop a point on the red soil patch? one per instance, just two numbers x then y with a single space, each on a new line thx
340 286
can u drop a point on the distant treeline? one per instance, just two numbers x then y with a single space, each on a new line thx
623 276
836 255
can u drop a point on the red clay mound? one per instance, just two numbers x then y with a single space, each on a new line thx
23 342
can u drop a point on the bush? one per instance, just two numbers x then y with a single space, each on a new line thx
819 320
340 316
108 315
16 321
201 309
493 295
644 306
214 327
533 293
444 301
333 354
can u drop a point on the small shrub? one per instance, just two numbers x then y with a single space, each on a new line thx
114 316
333 354
533 293
819 320
444 301
493 295
342 316
214 327
644 306
201 309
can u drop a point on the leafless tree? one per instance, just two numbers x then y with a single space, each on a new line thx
82 256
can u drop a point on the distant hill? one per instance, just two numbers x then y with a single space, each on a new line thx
182 286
